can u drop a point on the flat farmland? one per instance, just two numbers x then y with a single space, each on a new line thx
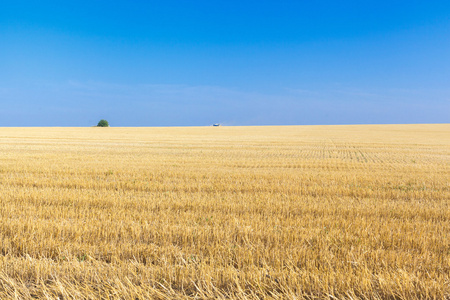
282 212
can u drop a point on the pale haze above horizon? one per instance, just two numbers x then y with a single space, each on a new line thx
195 63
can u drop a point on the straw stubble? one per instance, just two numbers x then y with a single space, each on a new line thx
288 212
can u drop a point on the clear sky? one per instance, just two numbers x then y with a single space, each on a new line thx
194 63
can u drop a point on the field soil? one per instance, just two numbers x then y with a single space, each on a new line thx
282 212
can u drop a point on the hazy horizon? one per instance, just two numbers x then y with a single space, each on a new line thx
222 125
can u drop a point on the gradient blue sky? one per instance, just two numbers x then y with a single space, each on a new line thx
189 63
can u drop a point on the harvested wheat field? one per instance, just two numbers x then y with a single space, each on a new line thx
283 212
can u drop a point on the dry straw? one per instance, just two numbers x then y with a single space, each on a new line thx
301 212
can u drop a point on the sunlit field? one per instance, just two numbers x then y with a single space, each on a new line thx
286 212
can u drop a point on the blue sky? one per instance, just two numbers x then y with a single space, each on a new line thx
194 63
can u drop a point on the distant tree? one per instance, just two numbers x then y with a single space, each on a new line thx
103 123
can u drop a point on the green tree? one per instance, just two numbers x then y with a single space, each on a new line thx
103 123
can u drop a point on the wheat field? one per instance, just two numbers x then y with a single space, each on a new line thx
282 212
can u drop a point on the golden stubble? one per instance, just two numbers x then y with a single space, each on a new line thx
286 212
